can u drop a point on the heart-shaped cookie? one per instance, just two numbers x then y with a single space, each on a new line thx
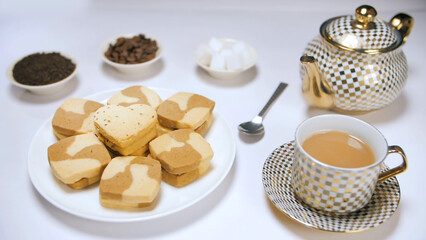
126 129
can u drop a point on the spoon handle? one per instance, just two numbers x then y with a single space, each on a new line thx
274 97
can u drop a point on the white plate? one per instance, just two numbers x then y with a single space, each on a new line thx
85 202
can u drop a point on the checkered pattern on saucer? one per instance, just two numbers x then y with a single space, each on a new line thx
360 82
276 176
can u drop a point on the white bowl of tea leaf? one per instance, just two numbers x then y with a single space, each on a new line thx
42 73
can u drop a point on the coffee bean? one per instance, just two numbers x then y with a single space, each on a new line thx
137 49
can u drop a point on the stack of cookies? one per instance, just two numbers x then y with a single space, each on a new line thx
135 95
126 130
184 156
78 161
151 139
130 182
73 117
185 111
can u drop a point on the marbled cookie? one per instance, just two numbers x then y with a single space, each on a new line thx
201 129
126 129
185 178
129 182
74 116
79 160
181 152
184 110
58 135
135 95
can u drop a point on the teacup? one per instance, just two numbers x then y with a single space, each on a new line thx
334 189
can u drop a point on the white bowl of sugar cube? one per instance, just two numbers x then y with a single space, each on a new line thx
225 58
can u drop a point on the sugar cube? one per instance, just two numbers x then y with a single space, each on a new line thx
246 57
215 44
239 47
233 63
226 53
217 62
204 54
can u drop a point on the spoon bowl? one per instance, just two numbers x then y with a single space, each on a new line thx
255 126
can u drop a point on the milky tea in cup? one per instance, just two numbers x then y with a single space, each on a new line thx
339 149
337 162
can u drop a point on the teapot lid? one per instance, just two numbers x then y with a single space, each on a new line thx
361 33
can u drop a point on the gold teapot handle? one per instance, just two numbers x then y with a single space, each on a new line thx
403 23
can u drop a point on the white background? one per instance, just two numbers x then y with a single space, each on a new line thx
239 207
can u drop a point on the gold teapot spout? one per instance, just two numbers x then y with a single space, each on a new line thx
315 89
403 23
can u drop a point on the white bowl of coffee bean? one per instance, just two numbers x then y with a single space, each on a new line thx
42 73
131 53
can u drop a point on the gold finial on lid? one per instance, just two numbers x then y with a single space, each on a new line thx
365 15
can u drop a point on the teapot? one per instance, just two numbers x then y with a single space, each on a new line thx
356 64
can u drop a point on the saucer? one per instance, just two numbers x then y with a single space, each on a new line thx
276 176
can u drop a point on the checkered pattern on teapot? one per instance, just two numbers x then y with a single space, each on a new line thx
341 30
330 189
360 82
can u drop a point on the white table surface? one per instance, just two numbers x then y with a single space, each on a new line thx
239 207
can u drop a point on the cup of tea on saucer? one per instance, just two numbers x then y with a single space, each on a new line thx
337 162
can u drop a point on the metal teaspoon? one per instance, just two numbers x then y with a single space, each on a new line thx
255 126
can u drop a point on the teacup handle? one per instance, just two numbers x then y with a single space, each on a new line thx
396 170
